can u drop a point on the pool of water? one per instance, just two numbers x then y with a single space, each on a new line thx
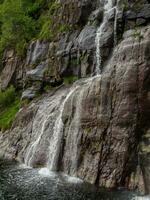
20 183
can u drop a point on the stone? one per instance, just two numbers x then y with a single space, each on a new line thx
140 12
96 15
37 74
29 93
86 39
13 69
140 21
36 52
144 12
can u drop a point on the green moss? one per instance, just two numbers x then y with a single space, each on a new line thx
25 102
63 28
88 130
50 29
70 79
8 115
46 31
47 88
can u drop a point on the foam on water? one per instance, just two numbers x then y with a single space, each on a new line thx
141 198
47 173
72 179
24 166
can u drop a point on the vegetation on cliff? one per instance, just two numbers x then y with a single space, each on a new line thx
9 106
22 21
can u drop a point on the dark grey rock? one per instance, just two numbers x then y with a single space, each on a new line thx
37 74
86 39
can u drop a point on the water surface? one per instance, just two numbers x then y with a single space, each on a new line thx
19 183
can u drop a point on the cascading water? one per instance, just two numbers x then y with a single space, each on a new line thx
55 142
108 6
41 125
48 128
115 23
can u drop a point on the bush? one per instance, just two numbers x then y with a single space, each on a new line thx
7 97
8 115
9 106
22 21
70 79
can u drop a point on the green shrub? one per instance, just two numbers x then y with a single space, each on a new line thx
17 28
7 97
9 106
8 115
70 79
22 21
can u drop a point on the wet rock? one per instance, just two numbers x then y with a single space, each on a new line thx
13 69
141 11
86 39
29 93
37 52
140 21
96 15
37 74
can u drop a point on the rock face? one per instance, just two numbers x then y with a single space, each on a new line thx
13 71
97 129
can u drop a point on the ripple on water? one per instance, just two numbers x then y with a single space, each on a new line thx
20 183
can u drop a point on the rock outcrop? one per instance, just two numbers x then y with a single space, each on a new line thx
97 129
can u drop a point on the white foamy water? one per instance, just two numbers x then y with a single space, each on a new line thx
75 180
45 172
55 142
141 198
108 6
115 24
41 121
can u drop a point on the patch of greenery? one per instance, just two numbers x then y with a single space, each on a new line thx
22 21
17 27
49 28
9 106
63 28
7 97
8 115
47 88
70 79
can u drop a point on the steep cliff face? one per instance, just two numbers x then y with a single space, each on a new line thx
98 128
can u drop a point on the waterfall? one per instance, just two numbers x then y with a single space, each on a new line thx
108 6
55 142
74 129
41 125
48 127
115 24
38 127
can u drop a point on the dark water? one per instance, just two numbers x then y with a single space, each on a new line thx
18 183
